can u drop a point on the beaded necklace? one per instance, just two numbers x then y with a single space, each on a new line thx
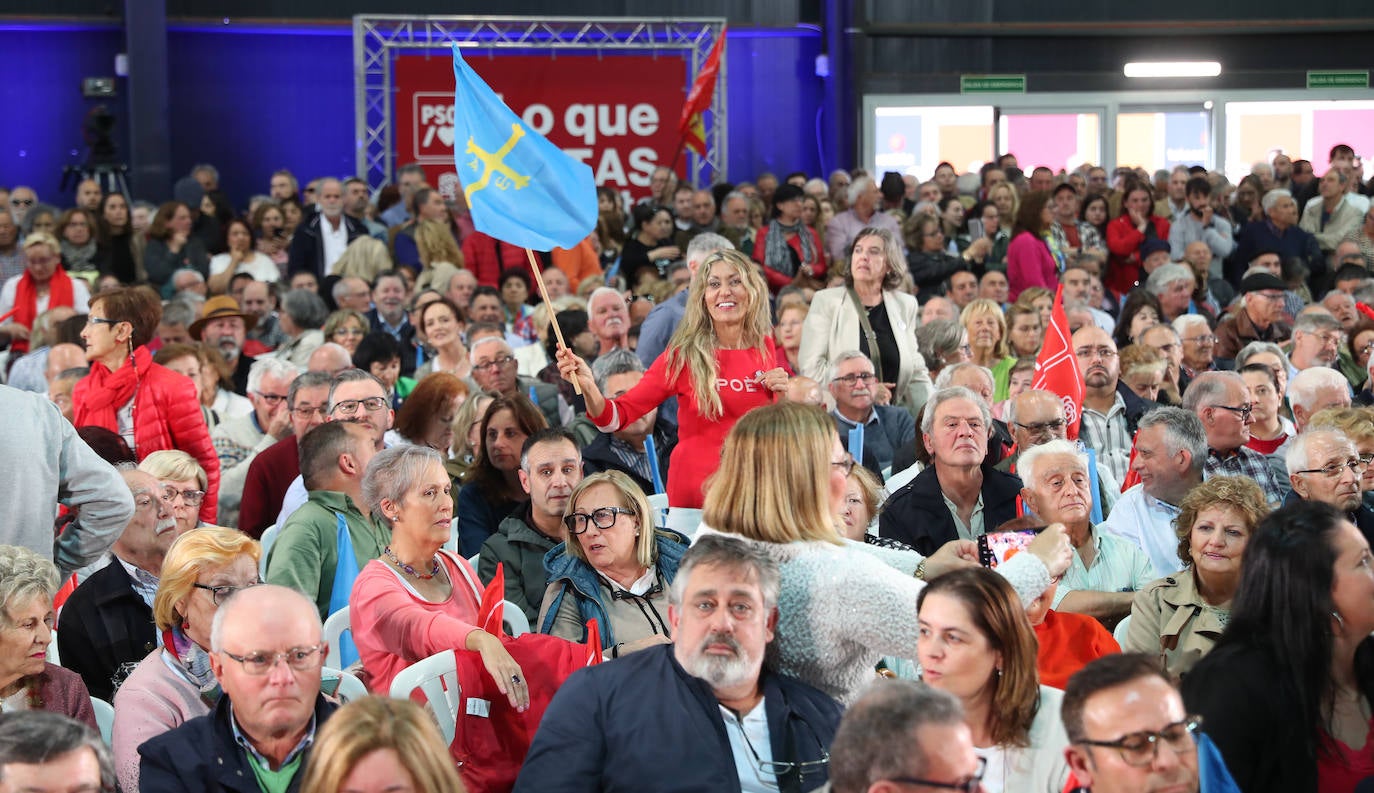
407 569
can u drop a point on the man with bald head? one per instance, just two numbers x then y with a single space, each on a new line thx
1035 417
266 650
1223 402
330 358
106 626
459 289
353 293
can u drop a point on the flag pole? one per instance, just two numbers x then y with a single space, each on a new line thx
553 320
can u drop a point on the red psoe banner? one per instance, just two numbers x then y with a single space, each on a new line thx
617 113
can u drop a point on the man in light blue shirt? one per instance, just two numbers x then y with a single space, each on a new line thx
1170 450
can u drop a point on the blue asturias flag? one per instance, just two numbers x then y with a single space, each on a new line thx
520 188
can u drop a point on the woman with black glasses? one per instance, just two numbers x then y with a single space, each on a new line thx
174 684
615 567
1286 692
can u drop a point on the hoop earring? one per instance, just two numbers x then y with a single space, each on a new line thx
1339 621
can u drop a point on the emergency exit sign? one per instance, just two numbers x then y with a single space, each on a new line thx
992 83
1330 79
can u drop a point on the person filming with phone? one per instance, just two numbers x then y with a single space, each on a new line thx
1105 571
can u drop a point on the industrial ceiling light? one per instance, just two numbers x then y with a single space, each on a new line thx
1173 69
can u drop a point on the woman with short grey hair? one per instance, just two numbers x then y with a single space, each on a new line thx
302 313
28 583
419 598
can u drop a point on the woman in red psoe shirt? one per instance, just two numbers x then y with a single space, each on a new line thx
720 364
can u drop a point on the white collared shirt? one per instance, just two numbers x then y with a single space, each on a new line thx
749 736
1147 522
333 240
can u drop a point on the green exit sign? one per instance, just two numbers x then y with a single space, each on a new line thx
1331 79
992 83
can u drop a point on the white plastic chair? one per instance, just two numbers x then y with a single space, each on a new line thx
52 657
334 629
658 502
269 536
437 677
452 544
517 624
350 687
104 717
1121 628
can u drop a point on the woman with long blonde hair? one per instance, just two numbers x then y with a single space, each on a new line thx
380 739
720 364
435 242
843 605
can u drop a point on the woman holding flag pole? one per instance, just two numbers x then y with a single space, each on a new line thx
720 365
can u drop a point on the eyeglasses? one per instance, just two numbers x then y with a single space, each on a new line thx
859 377
970 785
271 399
308 411
1089 353
298 658
90 320
1201 340
1334 470
1042 426
777 768
603 518
221 593
846 465
348 407
1141 748
21 202
191 498
496 363
1244 411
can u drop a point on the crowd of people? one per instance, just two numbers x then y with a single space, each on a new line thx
768 458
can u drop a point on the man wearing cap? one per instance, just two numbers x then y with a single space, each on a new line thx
1073 235
1154 254
223 327
1258 318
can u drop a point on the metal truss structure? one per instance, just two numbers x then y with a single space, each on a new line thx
378 39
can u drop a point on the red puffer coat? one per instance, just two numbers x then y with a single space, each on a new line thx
166 416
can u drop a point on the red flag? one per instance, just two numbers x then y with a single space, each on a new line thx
491 611
593 644
1056 368
690 126
1132 475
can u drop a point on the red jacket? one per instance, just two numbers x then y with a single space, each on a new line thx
480 255
1123 241
777 280
166 416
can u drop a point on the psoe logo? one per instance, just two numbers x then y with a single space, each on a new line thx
433 133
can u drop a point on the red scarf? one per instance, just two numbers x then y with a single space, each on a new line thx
105 392
26 300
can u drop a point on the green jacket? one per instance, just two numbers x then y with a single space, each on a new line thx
521 548
306 551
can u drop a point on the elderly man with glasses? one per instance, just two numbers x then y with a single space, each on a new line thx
724 721
886 428
1110 408
106 626
1325 466
1222 401
1036 417
239 441
266 650
1259 319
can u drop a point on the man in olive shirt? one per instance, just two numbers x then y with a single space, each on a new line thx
305 556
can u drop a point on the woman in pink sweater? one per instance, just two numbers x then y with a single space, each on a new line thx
1030 261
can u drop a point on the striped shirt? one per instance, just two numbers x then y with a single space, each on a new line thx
1108 435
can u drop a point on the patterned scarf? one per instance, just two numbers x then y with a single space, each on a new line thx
778 254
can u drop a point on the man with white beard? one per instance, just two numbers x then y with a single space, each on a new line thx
608 318
722 722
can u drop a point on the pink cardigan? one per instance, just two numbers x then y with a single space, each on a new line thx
393 628
1029 263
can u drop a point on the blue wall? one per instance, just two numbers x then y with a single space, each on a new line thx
251 100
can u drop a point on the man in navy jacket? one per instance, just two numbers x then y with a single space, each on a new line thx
700 714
